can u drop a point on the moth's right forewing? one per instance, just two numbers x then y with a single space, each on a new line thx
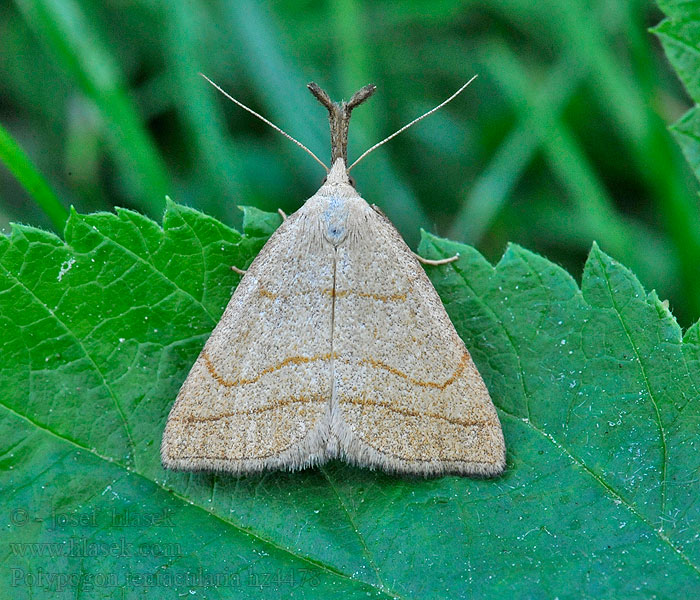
409 397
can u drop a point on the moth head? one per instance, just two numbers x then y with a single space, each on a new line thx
338 175
351 180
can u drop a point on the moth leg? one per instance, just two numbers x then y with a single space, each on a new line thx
442 261
282 214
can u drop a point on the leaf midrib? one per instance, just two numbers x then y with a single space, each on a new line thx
245 531
611 491
152 267
609 488
501 324
69 331
359 535
662 432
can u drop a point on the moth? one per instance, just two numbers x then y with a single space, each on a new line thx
335 345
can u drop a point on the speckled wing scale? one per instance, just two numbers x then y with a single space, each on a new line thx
335 344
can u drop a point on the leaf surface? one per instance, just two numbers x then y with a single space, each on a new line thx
596 388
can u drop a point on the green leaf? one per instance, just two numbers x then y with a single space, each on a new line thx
680 35
596 389
258 223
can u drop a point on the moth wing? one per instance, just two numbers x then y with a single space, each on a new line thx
408 397
258 395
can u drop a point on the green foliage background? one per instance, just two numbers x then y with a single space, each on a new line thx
560 141
596 384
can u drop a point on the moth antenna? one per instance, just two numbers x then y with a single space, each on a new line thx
264 120
405 127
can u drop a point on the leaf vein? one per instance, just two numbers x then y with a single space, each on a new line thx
611 491
662 433
78 341
243 530
151 266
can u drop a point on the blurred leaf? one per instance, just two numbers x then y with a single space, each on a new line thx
595 211
75 43
494 185
596 389
680 36
641 128
32 181
200 107
687 132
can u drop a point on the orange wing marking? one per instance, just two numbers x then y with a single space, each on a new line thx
336 294
412 413
293 360
432 384
316 399
383 298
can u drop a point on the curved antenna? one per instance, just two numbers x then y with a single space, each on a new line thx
405 127
264 120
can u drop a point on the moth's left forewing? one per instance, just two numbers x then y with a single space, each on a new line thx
258 395
408 397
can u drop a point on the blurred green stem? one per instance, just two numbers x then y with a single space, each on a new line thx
650 146
595 209
571 26
490 191
200 107
31 180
